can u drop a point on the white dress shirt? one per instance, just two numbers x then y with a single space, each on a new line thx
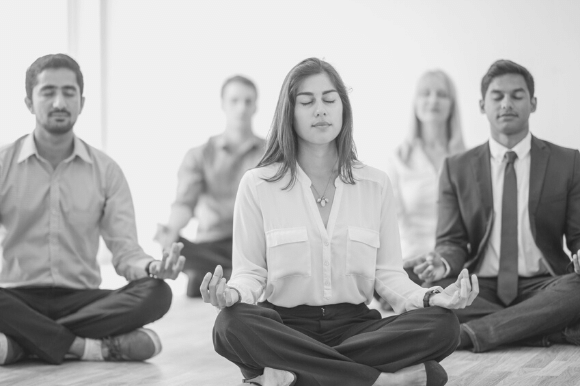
415 186
530 259
283 253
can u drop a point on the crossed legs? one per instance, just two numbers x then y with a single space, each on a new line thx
46 321
544 305
353 348
201 258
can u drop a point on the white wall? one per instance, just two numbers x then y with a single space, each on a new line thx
28 29
168 58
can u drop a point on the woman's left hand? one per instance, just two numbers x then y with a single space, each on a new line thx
459 294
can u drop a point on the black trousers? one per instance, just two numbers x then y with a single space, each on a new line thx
544 305
46 320
201 258
341 344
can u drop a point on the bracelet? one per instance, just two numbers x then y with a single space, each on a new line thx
239 294
147 269
427 297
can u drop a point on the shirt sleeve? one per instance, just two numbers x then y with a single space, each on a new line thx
451 239
190 179
249 243
118 228
573 212
391 281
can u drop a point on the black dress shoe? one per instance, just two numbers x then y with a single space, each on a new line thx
436 374
572 334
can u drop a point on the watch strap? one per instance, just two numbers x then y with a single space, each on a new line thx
427 297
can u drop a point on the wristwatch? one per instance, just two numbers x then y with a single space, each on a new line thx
427 297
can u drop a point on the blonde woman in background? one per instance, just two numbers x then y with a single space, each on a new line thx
414 167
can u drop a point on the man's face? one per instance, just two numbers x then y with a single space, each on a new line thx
239 103
508 105
56 100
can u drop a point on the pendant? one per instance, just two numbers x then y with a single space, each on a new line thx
322 201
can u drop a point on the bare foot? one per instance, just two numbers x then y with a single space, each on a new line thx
409 376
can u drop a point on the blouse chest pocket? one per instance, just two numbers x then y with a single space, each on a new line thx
361 252
288 253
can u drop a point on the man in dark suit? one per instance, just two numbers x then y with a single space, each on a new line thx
504 209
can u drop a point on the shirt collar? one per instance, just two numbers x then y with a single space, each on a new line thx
248 144
81 150
29 149
522 148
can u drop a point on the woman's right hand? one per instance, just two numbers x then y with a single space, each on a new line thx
214 290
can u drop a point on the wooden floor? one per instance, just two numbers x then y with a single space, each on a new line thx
188 358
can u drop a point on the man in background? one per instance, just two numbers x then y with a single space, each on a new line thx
504 209
208 181
57 196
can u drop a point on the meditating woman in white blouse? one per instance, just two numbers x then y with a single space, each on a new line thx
315 233
414 167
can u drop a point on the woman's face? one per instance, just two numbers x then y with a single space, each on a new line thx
433 102
318 110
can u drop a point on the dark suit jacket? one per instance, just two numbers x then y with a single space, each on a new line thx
466 205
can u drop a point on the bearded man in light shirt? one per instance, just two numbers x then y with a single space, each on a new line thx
57 196
504 209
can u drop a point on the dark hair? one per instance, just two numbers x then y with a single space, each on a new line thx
51 61
282 139
239 79
503 67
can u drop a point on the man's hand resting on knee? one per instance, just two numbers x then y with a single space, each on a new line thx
429 267
214 290
576 262
170 265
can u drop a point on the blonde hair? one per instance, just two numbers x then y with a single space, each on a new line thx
455 142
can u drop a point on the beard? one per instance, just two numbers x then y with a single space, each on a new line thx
58 128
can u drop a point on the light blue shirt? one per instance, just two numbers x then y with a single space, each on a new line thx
53 218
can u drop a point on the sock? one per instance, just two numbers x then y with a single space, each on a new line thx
464 339
92 350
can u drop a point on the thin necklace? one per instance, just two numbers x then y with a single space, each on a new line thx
322 200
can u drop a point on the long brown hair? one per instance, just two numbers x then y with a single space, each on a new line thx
282 145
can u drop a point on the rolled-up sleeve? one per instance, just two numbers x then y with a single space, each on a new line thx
118 227
190 179
249 243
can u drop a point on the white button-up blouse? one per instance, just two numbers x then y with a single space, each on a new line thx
283 253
